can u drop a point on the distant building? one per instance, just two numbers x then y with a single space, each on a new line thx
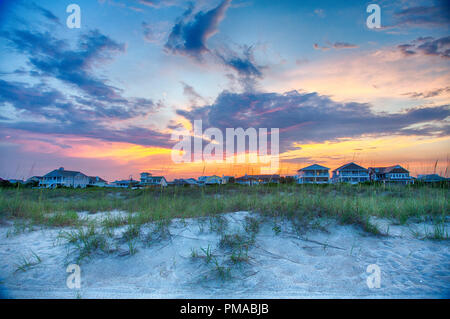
313 174
185 182
350 173
392 174
126 183
34 179
227 179
258 179
148 179
62 177
210 180
16 181
97 181
431 178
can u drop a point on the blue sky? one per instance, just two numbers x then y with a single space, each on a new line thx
137 69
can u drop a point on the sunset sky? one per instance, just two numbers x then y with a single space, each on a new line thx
103 99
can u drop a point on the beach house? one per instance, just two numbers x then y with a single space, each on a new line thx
258 179
313 174
210 180
97 181
350 173
62 177
148 179
391 174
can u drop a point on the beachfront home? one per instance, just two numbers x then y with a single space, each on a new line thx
34 179
97 181
147 179
313 174
126 183
431 178
185 182
16 181
62 177
227 179
210 180
392 174
350 173
257 179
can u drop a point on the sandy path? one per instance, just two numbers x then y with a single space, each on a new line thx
280 266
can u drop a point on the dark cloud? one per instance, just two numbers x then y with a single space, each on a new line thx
436 14
311 117
428 94
335 45
54 113
193 96
427 46
46 13
190 33
344 45
53 57
243 63
94 106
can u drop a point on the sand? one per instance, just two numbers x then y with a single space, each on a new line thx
329 262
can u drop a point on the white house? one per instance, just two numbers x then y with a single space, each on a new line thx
350 173
313 174
62 177
148 179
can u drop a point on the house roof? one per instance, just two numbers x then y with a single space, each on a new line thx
126 181
313 167
350 166
248 177
389 169
431 177
96 179
61 172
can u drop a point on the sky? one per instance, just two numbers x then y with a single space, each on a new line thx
105 98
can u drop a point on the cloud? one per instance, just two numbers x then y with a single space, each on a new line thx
154 33
243 63
96 109
46 13
190 34
191 93
427 46
320 13
344 45
310 117
434 15
335 45
428 94
54 57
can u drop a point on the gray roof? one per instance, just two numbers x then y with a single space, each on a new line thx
314 167
389 169
62 173
350 166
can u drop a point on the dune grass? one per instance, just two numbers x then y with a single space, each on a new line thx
350 204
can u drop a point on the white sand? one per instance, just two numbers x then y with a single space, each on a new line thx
280 266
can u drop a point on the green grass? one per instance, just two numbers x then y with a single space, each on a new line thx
28 262
350 204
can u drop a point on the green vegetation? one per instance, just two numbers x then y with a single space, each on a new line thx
27 262
350 204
